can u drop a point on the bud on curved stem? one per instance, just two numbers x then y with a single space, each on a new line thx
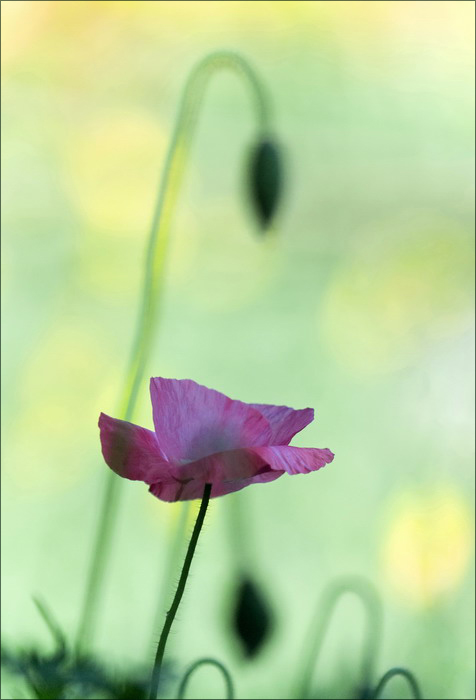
153 277
265 179
252 618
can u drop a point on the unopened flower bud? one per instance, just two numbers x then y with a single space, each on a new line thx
265 180
252 617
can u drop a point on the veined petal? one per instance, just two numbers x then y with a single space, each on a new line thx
227 472
234 469
236 465
285 422
172 491
131 451
192 421
294 460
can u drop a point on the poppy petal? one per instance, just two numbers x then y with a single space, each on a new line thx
294 460
234 469
172 491
131 451
192 421
285 422
227 471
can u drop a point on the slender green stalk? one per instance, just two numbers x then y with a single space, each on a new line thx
153 278
412 681
154 684
327 605
174 555
230 693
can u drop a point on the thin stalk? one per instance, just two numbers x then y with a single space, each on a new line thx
151 295
154 684
327 605
174 554
396 671
230 694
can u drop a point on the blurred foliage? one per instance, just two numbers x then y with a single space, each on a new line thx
57 677
65 674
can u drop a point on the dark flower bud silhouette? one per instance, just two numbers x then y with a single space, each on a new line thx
265 180
252 617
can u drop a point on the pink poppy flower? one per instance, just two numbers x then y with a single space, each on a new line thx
202 436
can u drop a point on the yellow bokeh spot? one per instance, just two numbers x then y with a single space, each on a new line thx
54 443
113 166
22 23
427 545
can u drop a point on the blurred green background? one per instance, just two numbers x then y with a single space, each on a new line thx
360 304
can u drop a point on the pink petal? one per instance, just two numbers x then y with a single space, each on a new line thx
175 491
131 451
226 471
192 421
233 470
285 422
294 460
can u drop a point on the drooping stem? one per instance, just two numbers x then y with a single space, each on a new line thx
173 170
154 684
203 662
412 681
369 598
156 252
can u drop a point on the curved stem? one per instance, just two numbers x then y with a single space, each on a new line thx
396 671
155 258
173 169
327 605
230 694
154 684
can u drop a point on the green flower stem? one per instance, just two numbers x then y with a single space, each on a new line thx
153 279
327 605
230 694
412 681
167 571
154 684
